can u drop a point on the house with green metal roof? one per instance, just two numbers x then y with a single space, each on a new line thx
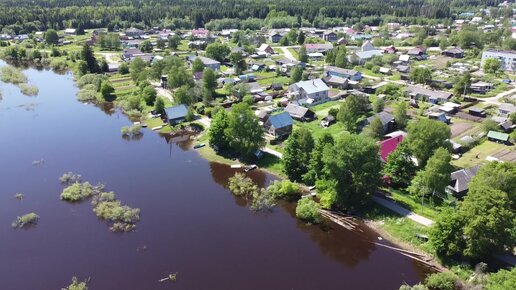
498 137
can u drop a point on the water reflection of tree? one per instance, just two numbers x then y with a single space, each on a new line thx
136 137
344 246
107 107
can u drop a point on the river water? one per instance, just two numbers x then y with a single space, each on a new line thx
190 223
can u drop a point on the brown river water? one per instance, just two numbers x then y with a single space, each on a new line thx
190 223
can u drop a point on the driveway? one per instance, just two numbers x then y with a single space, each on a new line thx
287 53
403 211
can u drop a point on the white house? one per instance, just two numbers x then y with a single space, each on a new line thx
507 58
310 92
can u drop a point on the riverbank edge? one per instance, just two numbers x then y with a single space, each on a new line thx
374 224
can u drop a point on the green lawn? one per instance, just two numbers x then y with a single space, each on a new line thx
414 204
294 53
335 130
483 150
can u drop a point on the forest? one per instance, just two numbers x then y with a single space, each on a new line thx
25 16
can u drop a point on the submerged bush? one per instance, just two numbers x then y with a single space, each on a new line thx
77 192
70 178
29 90
88 93
27 220
308 210
262 200
284 189
133 130
241 185
76 285
123 217
9 74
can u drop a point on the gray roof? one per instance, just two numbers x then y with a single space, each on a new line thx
430 93
340 70
460 179
312 86
369 53
281 120
384 117
335 80
176 112
296 111
208 61
507 107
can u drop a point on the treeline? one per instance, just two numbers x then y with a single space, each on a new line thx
27 16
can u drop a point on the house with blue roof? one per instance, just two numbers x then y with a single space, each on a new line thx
176 114
279 125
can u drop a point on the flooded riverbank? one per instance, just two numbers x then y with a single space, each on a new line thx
190 223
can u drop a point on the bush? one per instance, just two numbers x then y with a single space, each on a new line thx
26 220
77 285
284 189
9 74
70 178
122 216
77 192
123 69
441 281
29 90
241 185
308 210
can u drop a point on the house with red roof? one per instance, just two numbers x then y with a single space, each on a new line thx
387 146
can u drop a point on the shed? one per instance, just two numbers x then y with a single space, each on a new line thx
300 113
498 137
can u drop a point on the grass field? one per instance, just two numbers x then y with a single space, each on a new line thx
478 154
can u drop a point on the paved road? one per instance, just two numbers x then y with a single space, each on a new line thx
496 99
403 211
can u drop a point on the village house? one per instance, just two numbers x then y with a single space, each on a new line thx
434 97
330 36
310 92
507 58
266 48
388 146
481 87
506 109
318 47
275 37
300 113
366 52
176 114
386 119
336 82
134 32
418 53
130 53
498 137
343 73
454 52
200 34
208 62
279 126
70 31
460 180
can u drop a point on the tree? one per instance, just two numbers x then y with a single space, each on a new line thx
284 41
149 95
425 136
308 210
378 105
442 281
341 57
490 125
245 133
238 61
209 84
146 46
421 75
183 96
216 135
104 67
159 105
284 189
137 67
303 56
316 164
173 42
501 280
197 65
351 110
301 38
217 51
296 74
484 223
296 157
106 90
491 65
462 86
123 69
353 166
51 37
375 129
400 115
160 43
435 177
89 58
399 167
